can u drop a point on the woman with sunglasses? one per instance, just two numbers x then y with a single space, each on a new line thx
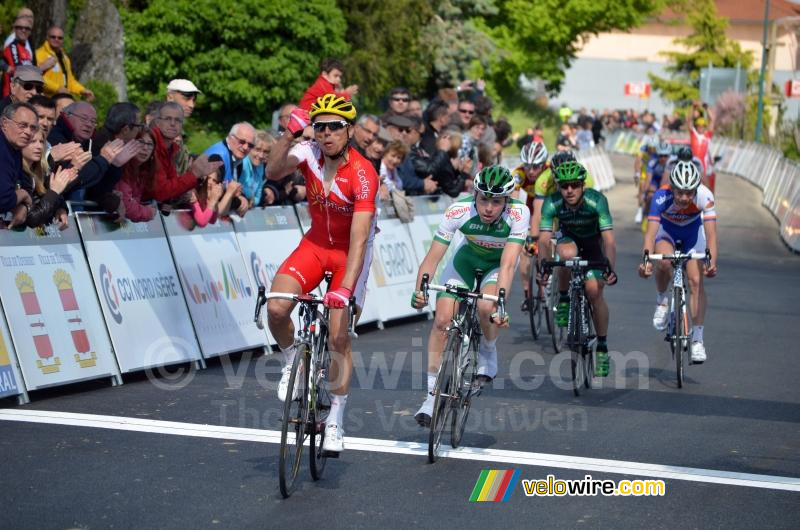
494 225
587 231
341 188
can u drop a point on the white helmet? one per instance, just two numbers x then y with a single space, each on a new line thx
685 176
533 154
663 149
650 140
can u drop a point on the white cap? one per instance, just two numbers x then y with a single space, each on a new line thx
182 85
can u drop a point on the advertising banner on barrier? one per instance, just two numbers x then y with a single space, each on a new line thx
428 213
53 314
370 309
140 292
10 381
216 284
266 238
394 269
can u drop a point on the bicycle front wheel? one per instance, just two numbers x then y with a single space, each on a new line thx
558 334
320 407
295 421
465 380
678 340
576 346
443 392
534 304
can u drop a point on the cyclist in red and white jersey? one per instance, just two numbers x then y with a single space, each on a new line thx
341 188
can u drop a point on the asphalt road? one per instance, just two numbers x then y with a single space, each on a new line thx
197 455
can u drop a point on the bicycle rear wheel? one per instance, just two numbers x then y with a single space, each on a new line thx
463 393
320 407
295 421
443 395
534 304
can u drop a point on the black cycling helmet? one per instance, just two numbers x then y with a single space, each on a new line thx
561 157
685 154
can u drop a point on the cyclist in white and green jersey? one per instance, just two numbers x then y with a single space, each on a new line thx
494 227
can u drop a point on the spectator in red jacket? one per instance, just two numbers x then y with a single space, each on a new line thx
167 184
329 81
137 179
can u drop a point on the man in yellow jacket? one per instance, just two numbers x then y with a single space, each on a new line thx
57 68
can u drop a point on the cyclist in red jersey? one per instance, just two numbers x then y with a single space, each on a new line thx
341 188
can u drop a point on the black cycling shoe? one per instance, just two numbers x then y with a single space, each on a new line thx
526 306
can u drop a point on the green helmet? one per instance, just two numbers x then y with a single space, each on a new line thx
495 181
570 172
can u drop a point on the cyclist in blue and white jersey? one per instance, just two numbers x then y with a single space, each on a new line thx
682 211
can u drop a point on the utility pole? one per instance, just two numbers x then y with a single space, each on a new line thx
764 52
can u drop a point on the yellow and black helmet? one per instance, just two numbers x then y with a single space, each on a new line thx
333 104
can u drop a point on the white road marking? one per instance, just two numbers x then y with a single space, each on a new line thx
514 458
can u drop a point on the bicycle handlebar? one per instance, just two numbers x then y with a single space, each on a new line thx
460 291
304 298
576 263
677 256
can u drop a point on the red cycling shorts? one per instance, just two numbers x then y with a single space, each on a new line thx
309 262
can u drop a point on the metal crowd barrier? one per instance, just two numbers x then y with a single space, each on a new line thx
101 299
762 165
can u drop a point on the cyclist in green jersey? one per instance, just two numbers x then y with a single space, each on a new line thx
494 227
586 231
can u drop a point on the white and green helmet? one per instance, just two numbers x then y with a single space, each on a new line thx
495 181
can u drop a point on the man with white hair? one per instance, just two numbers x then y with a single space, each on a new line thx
184 93
233 150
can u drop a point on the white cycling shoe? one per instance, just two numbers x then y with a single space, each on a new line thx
283 385
660 317
334 438
425 412
698 352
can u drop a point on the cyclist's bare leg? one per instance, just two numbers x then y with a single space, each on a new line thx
340 346
445 309
565 251
525 270
279 312
663 268
698 301
594 292
485 310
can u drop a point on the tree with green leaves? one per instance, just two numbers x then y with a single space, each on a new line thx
386 49
543 37
706 44
247 57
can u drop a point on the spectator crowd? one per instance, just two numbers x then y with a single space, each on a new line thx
137 162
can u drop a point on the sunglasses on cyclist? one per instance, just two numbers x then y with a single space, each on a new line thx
332 126
28 86
575 184
529 167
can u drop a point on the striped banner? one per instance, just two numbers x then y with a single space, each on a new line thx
494 485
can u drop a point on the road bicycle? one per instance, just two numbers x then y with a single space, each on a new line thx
581 338
679 327
538 296
304 417
457 381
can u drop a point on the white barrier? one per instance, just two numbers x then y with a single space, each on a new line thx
394 270
10 381
53 314
266 237
215 283
140 292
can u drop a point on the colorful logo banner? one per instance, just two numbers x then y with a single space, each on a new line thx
494 485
